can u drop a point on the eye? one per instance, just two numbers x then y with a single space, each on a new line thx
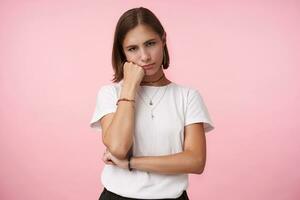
151 43
131 49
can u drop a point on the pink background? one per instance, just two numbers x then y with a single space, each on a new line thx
243 56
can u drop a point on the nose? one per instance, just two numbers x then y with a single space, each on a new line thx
145 56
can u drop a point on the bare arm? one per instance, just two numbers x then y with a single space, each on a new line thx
118 127
191 160
179 163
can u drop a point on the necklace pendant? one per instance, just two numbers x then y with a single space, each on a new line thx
152 116
150 103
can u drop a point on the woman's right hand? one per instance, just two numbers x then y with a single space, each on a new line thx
133 73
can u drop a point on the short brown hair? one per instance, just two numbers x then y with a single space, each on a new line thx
129 20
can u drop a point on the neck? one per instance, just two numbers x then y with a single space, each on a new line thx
157 79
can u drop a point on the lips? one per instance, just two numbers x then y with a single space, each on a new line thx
148 66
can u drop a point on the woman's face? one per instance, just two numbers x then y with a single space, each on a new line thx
143 47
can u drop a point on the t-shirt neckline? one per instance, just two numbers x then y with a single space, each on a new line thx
153 86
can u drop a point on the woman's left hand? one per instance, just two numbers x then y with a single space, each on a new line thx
110 159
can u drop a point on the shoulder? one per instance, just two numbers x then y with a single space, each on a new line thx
185 90
109 86
109 89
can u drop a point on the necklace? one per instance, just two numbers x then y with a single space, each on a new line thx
154 81
150 102
152 108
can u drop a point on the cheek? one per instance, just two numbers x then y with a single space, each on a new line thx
158 54
131 57
157 58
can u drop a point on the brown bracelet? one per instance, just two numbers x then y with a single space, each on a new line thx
124 99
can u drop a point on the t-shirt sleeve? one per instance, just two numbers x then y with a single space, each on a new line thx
105 103
197 111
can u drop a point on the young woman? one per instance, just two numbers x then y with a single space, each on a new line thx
153 129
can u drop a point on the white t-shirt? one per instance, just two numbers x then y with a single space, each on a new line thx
174 106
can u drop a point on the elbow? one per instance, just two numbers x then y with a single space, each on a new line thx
199 170
199 167
196 163
118 152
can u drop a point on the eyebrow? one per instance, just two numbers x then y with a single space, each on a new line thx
136 45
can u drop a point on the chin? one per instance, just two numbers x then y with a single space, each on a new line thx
151 72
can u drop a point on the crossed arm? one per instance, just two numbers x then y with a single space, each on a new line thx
191 160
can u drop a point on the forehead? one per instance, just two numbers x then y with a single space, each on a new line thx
139 34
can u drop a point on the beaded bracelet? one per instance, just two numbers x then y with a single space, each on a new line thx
124 99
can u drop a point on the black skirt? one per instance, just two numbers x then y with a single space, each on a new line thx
108 195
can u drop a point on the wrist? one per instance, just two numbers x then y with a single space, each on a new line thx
129 85
128 91
129 163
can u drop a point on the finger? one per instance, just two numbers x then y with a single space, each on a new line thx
109 162
124 65
109 155
105 157
106 160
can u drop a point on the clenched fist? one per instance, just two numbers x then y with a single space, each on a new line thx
133 73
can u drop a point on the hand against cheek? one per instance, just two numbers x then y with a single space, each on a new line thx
110 159
133 73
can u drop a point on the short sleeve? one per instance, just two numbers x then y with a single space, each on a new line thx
105 103
196 111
